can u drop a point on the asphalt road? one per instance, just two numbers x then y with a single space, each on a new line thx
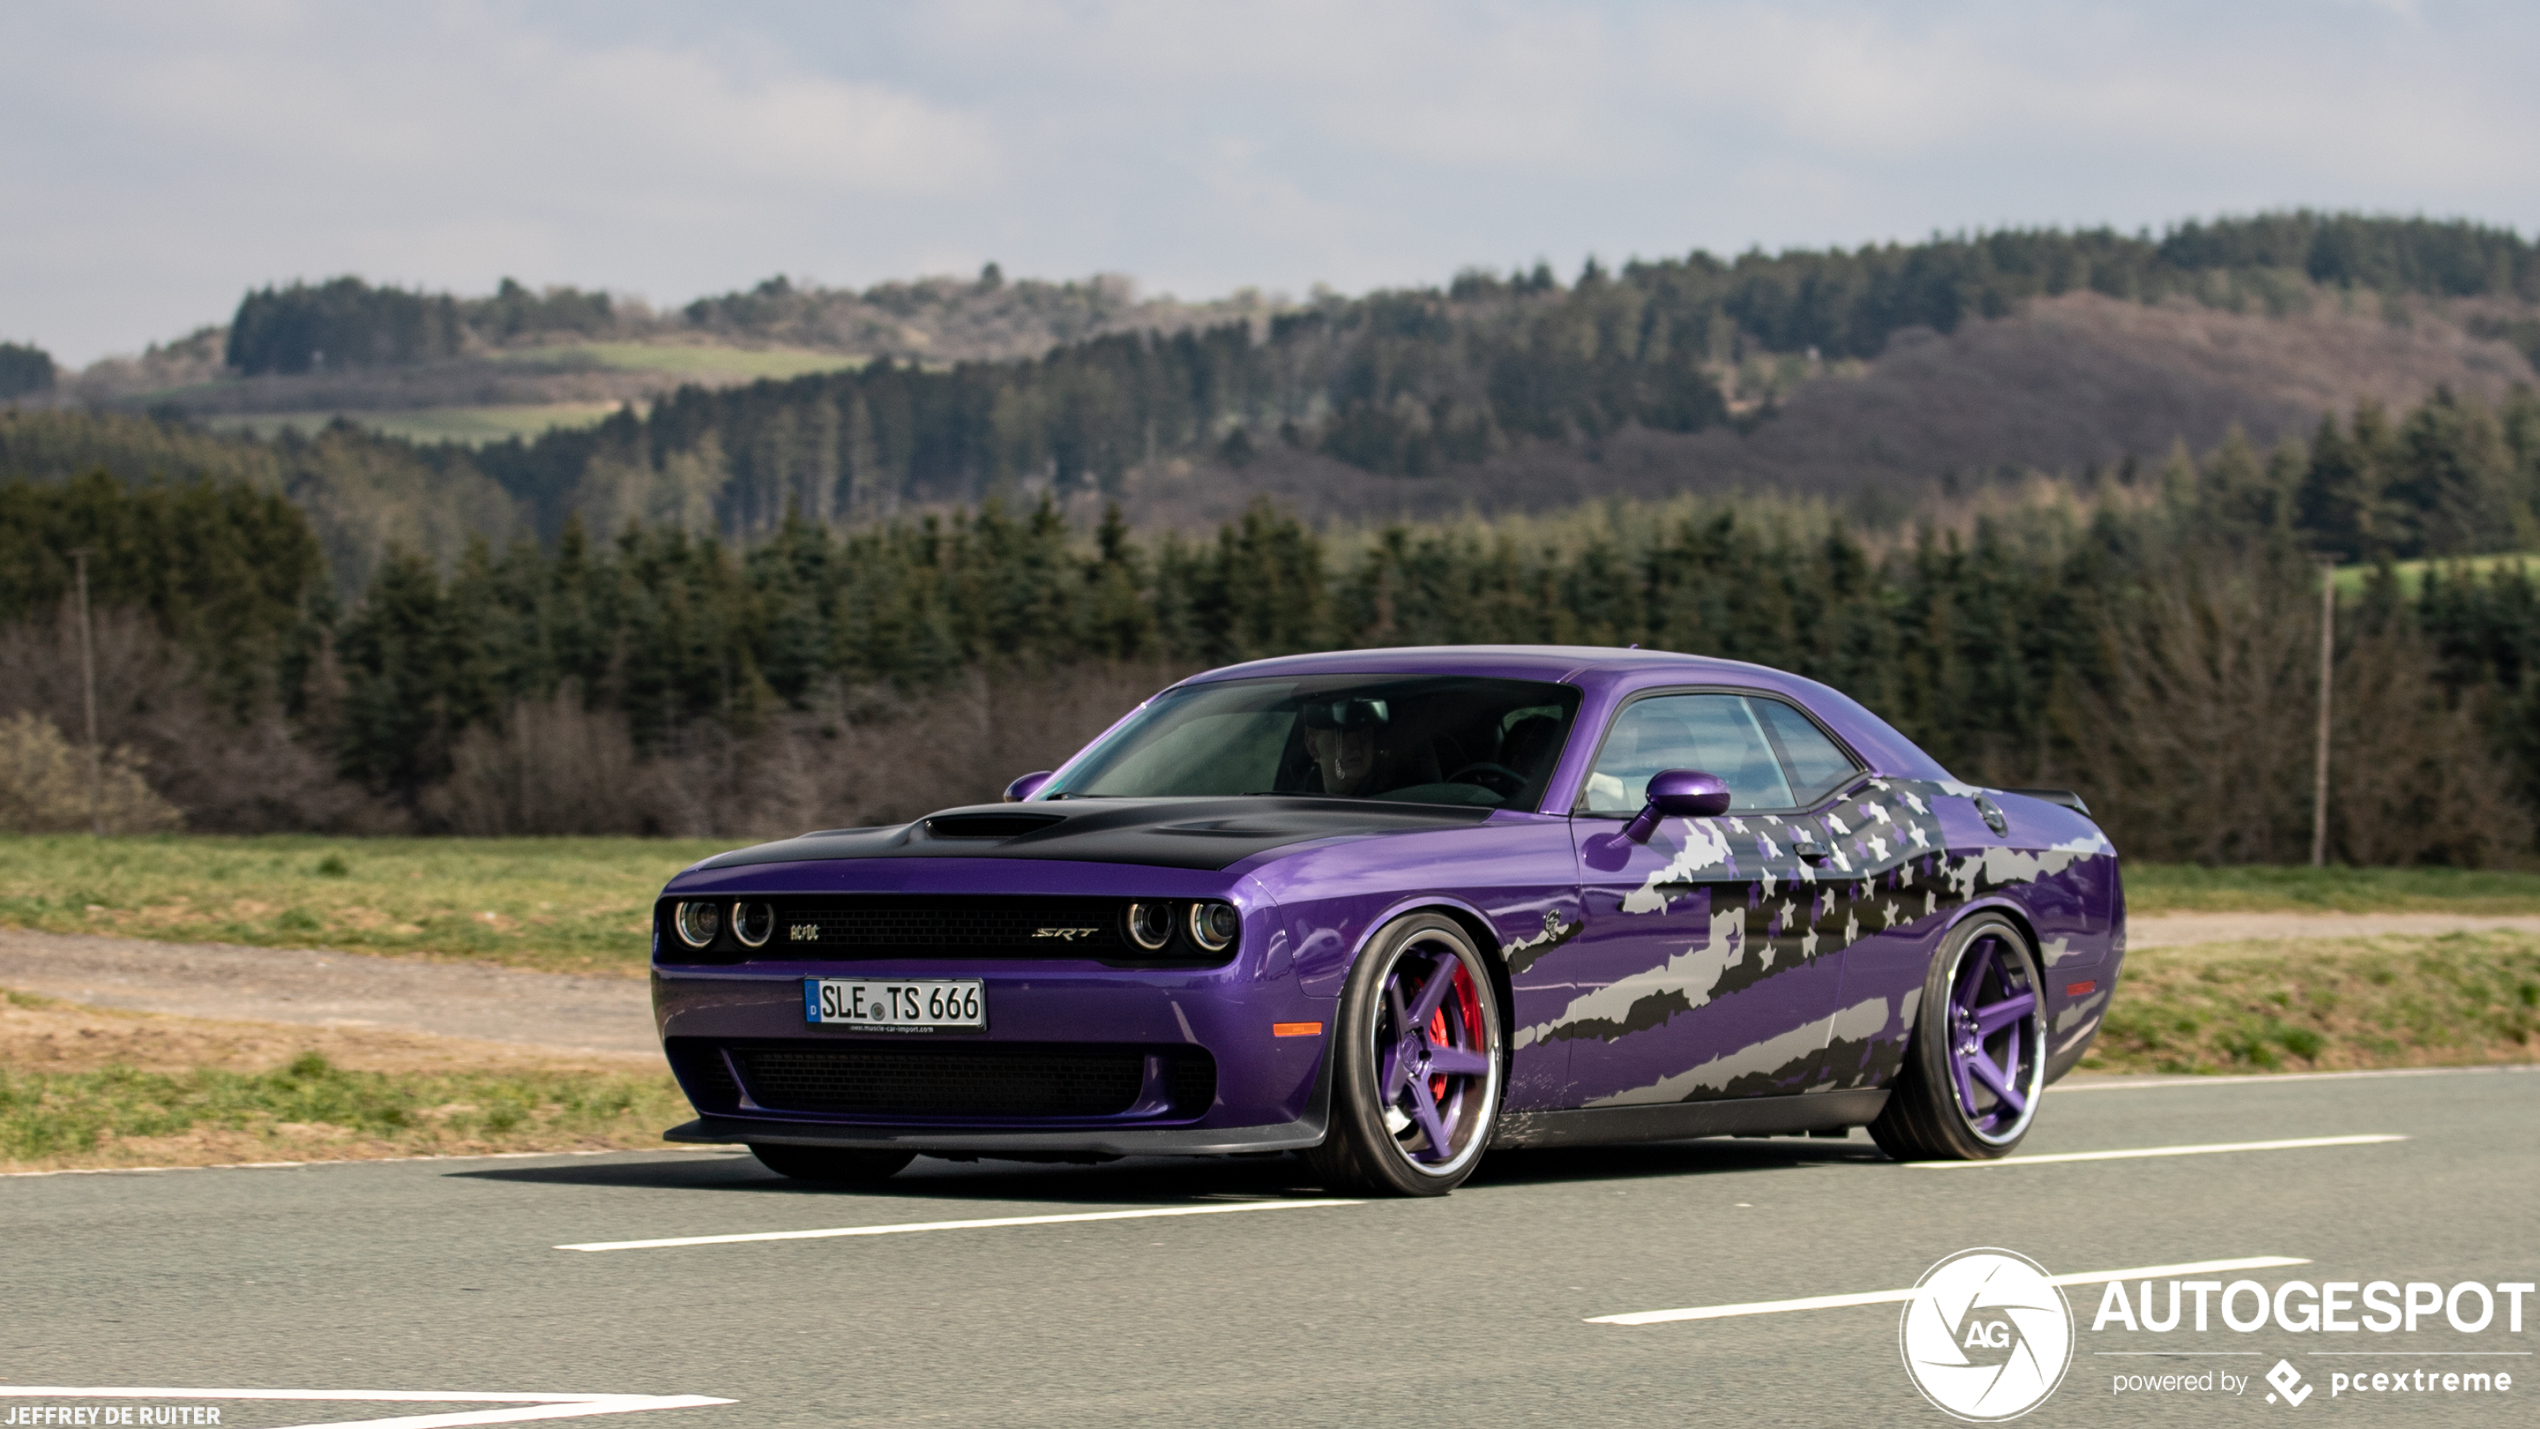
444 1276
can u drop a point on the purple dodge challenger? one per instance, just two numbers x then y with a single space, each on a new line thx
1390 908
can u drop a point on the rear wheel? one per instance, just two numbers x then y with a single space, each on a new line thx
1977 1064
1418 1064
831 1165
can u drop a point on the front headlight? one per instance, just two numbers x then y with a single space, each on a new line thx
753 923
1151 925
697 923
1214 925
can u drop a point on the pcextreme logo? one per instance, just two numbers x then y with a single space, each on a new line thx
1987 1336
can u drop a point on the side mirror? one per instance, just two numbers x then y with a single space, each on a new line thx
1030 784
1678 794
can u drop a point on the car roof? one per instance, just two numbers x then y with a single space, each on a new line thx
1602 668
1523 662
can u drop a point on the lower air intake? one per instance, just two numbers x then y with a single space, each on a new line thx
994 1082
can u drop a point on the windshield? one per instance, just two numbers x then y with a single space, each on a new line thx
1421 739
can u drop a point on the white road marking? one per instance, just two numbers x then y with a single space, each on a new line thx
1894 1297
528 1406
2133 1084
911 1227
2207 1149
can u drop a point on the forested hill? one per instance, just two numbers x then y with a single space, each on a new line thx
1444 382
1875 376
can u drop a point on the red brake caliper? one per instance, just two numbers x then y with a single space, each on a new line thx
1469 1011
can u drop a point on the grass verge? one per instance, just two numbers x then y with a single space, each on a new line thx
2155 888
2325 1005
560 905
310 1109
92 1086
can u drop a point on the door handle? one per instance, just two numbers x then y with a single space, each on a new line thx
1810 850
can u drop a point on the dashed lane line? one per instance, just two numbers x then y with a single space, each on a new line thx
1892 1297
913 1227
2210 1148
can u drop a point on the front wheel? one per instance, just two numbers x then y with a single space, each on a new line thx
1418 1064
1976 1067
830 1165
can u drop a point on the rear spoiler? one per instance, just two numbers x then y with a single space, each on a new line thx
2065 797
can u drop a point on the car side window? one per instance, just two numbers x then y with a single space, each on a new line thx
1817 765
1769 754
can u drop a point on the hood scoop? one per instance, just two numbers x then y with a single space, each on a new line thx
989 826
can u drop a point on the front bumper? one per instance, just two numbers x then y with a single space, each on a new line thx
1218 1078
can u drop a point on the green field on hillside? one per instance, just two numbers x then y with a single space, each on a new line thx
470 426
697 358
2411 574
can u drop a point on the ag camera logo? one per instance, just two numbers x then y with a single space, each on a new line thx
1987 1336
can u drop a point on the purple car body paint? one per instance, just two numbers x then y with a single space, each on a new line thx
1102 969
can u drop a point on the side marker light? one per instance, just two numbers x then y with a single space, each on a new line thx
2080 989
1296 1029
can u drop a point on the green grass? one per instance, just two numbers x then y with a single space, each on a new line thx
564 905
311 1109
700 359
2155 888
2458 999
471 426
579 905
2350 579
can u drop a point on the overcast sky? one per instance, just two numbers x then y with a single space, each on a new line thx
164 158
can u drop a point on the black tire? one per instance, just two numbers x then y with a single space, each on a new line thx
830 1165
1369 1152
1925 1118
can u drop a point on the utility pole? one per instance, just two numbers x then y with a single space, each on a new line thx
2328 656
88 682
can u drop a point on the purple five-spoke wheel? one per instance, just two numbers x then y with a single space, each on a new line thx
1997 1041
1417 1062
1433 1055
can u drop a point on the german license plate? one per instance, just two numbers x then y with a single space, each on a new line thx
897 1006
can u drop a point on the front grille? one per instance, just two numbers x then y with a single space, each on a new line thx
849 926
1018 1082
901 923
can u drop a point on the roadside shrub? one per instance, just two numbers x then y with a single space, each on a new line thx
48 786
227 768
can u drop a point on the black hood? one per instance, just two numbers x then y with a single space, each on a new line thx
1164 833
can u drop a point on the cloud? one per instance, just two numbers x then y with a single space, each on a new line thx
171 156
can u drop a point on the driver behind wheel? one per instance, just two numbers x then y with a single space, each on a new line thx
1341 738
